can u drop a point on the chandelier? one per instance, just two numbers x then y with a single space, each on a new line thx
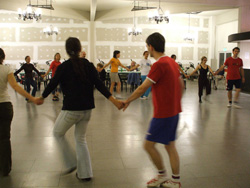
159 15
134 31
189 36
29 13
50 30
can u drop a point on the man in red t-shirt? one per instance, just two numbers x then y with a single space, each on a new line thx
53 66
235 76
167 87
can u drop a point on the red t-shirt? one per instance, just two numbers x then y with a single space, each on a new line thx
53 66
233 68
166 90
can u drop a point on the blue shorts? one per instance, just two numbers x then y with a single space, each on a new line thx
163 130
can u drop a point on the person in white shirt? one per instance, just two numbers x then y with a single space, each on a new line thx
145 65
6 113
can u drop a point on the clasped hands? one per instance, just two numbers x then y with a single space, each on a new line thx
121 104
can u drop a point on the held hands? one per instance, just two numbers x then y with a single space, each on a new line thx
125 105
38 100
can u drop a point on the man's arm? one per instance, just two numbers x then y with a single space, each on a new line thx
242 75
138 92
220 69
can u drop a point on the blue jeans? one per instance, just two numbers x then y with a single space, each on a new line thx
28 82
65 120
143 77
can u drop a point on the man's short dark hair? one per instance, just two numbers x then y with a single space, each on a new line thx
173 56
100 65
157 41
236 48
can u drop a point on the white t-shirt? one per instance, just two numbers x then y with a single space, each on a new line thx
145 66
4 71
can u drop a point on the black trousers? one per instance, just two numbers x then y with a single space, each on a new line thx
204 83
6 115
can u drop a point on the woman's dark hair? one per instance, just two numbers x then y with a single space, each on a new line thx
173 56
73 48
115 53
26 57
144 52
2 55
56 55
157 41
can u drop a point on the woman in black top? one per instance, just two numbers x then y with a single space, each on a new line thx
77 77
28 69
203 80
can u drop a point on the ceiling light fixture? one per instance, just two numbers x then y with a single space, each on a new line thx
159 15
50 30
189 36
134 31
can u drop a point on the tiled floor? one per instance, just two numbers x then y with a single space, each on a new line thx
213 143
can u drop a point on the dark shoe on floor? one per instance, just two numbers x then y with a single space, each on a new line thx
70 170
83 179
200 101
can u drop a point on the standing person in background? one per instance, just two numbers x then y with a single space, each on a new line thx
167 87
203 80
235 76
145 65
6 113
114 77
173 56
101 72
28 69
53 67
77 77
83 54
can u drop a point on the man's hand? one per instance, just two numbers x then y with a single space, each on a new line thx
125 105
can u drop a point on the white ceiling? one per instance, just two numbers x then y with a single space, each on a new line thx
106 9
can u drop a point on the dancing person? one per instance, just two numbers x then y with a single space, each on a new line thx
173 56
29 81
114 77
53 66
83 54
167 87
203 80
133 78
77 77
145 65
235 76
101 72
6 113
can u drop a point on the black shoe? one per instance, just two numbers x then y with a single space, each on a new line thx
83 179
200 101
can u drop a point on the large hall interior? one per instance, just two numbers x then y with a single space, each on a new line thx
213 140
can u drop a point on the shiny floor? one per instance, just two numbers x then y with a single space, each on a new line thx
213 144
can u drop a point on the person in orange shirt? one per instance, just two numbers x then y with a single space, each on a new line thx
114 77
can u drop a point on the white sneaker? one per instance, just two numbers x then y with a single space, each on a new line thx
171 184
229 105
118 96
157 181
236 105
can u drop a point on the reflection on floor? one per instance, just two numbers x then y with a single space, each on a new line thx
213 143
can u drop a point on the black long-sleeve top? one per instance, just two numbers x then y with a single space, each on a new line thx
102 75
28 68
77 95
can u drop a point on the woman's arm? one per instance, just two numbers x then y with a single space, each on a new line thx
107 64
120 64
19 70
180 69
47 72
198 67
133 68
211 70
